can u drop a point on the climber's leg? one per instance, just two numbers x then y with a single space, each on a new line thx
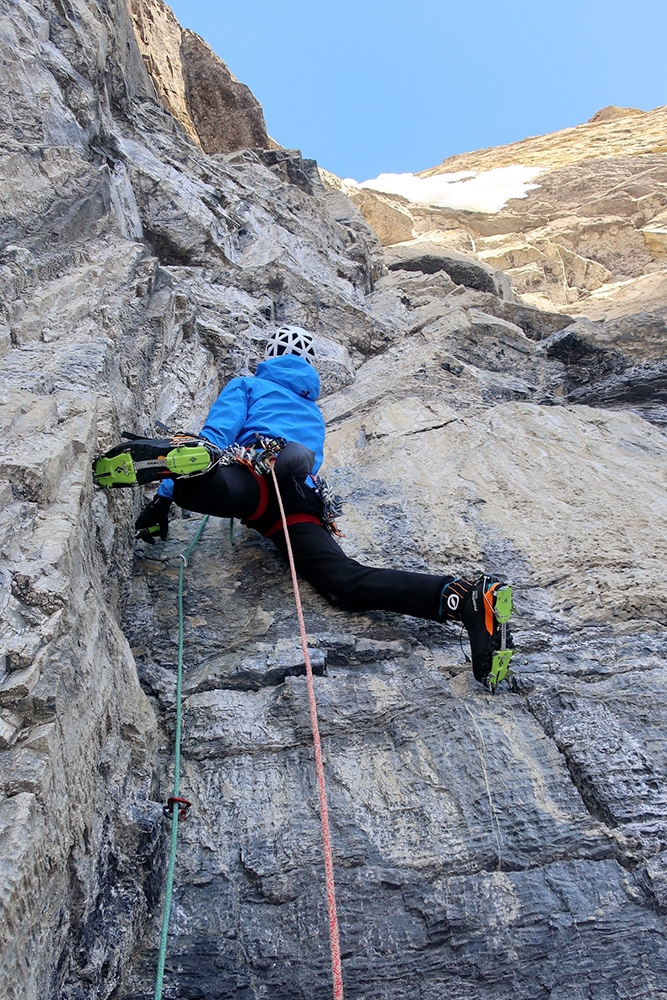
483 607
354 587
226 491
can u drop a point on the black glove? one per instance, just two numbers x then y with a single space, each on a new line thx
154 520
294 461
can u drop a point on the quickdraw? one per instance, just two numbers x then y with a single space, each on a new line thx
332 505
183 808
259 456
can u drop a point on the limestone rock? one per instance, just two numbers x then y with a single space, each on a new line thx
159 36
389 217
612 113
429 258
218 112
655 235
491 847
537 265
391 222
644 295
639 134
225 113
594 218
290 166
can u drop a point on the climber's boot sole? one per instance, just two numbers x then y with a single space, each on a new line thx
500 661
146 460
486 614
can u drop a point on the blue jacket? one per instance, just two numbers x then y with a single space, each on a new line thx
278 401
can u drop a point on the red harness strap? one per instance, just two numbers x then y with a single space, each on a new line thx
290 520
263 496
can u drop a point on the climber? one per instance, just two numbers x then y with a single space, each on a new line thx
274 415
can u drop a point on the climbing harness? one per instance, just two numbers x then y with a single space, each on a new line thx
324 810
176 806
260 458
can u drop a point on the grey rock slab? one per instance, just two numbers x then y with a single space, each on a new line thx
611 735
653 878
507 846
475 498
462 269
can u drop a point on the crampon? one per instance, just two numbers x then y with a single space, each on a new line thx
145 460
486 614
500 661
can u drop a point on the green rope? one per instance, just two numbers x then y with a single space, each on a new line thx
177 773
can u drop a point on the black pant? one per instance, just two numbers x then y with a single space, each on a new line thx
233 491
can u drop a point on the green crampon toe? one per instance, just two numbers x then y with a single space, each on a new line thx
500 670
115 471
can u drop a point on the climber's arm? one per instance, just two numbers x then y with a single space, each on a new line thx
223 423
228 414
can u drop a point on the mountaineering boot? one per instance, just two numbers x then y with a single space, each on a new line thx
484 608
143 460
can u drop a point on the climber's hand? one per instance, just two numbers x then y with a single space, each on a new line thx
154 520
294 461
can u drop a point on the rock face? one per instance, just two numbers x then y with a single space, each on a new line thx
589 241
594 221
226 114
429 258
612 113
159 37
489 847
217 111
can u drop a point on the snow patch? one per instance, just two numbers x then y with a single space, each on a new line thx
467 190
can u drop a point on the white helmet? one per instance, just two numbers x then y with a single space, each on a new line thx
290 340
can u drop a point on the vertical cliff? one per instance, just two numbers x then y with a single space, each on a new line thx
486 847
217 111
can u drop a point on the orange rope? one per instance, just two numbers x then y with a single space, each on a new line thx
324 811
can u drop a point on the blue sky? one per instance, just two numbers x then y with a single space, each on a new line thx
372 87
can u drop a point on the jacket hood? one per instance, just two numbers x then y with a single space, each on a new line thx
292 372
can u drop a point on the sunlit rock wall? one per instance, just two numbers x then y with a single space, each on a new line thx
484 847
217 111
